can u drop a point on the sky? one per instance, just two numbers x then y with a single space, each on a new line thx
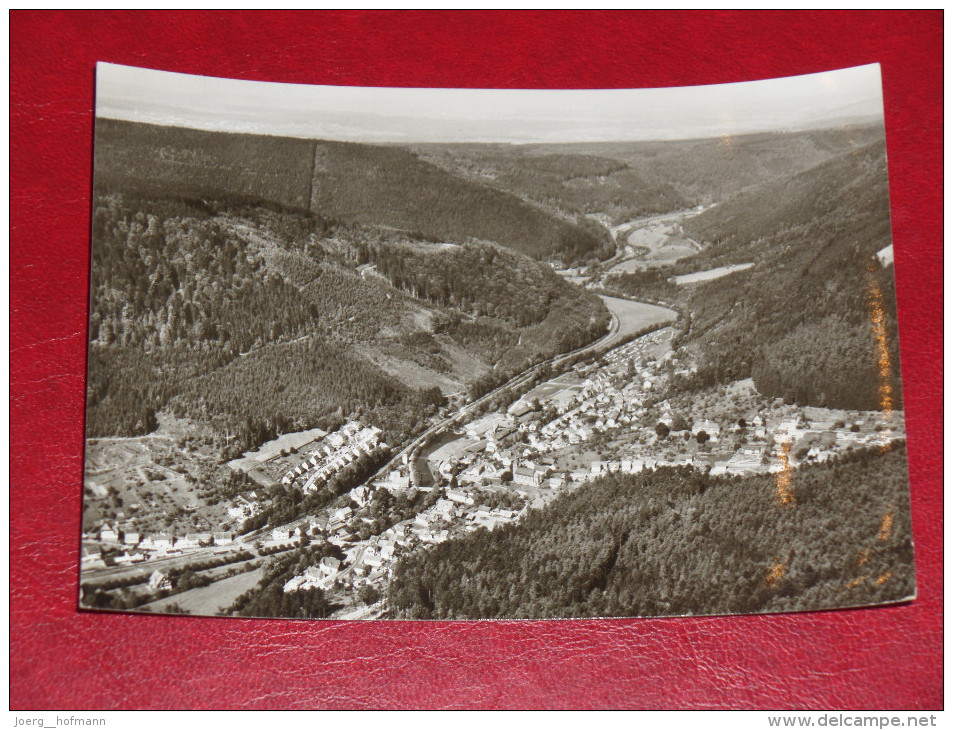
382 115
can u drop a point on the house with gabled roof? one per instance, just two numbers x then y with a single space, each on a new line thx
159 582
295 583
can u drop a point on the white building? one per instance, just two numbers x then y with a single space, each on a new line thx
710 427
159 582
295 583
460 496
280 534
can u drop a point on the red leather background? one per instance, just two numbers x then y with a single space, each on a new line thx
63 659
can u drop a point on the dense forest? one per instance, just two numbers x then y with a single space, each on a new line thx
502 292
814 322
153 160
469 278
182 311
256 320
358 183
676 541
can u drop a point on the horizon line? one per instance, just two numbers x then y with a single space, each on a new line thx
409 115
844 122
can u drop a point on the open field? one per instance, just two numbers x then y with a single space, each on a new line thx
664 219
710 274
451 448
410 373
653 241
288 441
211 599
636 316
544 391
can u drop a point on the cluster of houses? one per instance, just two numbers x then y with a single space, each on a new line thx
245 507
114 546
370 562
362 560
601 402
827 438
765 448
520 451
320 576
486 464
331 455
112 536
612 397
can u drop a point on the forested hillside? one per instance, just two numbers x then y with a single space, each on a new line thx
259 321
814 321
500 289
676 542
359 183
630 179
392 186
155 160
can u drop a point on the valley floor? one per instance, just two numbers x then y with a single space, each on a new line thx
480 470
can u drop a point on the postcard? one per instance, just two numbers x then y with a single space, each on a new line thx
368 353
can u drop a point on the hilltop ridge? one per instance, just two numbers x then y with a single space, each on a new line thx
351 182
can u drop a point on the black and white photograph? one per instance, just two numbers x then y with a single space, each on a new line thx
458 354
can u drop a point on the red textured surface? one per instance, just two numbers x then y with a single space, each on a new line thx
60 658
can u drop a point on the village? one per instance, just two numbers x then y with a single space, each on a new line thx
319 458
610 416
615 414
